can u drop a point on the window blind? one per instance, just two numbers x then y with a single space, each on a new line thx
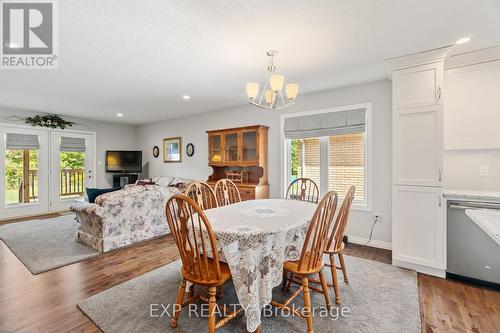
72 144
326 124
22 141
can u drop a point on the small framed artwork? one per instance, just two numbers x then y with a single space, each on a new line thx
156 151
172 150
190 149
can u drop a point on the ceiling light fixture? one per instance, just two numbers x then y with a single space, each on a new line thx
119 115
186 97
462 40
271 97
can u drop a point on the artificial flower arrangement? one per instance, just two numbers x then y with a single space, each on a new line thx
49 120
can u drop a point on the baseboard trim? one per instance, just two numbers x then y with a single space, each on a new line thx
373 243
419 268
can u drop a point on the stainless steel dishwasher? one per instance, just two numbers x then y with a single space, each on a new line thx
472 255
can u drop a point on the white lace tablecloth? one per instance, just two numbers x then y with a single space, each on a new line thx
255 238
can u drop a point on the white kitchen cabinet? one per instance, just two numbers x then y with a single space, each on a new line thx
418 146
418 221
418 86
418 236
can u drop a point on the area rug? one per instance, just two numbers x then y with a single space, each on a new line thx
379 298
42 245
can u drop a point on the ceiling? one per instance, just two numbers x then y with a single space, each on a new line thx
140 57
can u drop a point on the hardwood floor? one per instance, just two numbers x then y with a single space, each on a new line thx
47 302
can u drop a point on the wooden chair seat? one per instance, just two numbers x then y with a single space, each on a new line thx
225 273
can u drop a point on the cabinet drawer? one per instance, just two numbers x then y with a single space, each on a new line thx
247 193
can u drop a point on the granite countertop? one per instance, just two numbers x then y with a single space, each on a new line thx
487 220
472 195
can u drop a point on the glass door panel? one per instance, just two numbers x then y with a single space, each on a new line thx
21 176
24 164
249 146
231 147
72 174
73 168
215 148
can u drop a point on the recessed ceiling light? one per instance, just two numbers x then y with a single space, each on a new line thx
462 40
119 114
186 97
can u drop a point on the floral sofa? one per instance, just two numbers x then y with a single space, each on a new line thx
127 216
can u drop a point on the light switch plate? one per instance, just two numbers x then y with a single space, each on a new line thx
484 171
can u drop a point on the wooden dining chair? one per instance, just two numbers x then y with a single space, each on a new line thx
335 245
197 246
310 261
202 194
227 192
303 189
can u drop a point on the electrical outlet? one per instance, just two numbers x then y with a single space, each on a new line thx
377 217
484 171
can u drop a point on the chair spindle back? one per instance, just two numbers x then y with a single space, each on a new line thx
202 194
194 238
316 238
337 234
227 192
303 189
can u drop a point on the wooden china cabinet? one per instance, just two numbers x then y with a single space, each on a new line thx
240 154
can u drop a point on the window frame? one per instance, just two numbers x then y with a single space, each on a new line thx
365 205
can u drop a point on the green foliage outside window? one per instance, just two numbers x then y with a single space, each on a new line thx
14 164
293 156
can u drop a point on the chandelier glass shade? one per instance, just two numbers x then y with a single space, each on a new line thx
272 96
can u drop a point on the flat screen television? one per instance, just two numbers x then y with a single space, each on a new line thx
123 161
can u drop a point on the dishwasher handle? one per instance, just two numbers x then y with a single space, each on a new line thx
474 205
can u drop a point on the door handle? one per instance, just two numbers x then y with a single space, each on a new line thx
438 94
440 201
440 174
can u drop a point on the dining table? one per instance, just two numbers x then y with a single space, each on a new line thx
255 238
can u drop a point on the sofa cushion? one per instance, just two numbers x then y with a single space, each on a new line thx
163 181
93 193
144 182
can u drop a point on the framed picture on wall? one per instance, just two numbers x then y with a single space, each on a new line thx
172 150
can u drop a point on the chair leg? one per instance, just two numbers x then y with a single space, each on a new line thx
289 282
335 279
344 269
285 279
326 292
307 304
178 302
220 292
211 310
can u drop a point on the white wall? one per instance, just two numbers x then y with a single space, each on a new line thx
108 137
192 129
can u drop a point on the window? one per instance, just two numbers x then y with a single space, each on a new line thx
331 147
305 159
346 164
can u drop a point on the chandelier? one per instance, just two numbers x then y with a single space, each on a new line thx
271 96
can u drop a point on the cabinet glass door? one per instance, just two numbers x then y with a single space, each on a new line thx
215 148
231 147
249 146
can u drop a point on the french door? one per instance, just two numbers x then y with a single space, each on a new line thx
72 167
24 171
43 171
